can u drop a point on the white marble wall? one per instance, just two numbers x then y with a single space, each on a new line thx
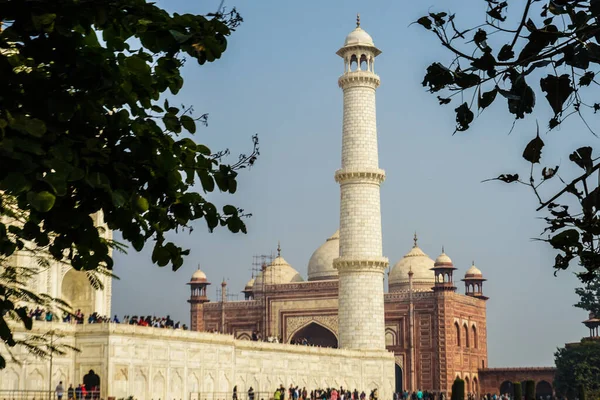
153 363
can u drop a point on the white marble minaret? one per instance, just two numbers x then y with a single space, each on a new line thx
361 265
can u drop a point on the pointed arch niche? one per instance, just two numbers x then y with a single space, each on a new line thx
78 292
316 334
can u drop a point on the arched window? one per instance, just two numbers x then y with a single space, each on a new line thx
474 336
353 63
364 63
466 329
457 328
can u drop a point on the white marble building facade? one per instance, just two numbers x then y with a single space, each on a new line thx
153 363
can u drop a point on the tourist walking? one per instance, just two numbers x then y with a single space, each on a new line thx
71 392
60 390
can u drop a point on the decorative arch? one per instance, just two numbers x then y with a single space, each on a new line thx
158 386
295 323
35 380
543 389
475 386
193 383
140 384
466 330
507 388
474 336
353 62
317 334
457 329
176 388
467 386
244 336
390 337
399 381
78 292
11 377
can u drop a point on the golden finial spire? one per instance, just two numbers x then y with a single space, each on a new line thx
358 20
473 263
415 239
278 249
443 249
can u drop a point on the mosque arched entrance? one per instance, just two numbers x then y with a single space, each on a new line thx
543 389
315 335
78 292
507 388
398 386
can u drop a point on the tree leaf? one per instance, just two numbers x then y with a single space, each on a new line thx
586 79
188 123
548 173
506 53
487 98
31 126
583 158
533 150
464 116
41 201
557 89
425 22
229 210
437 77
565 239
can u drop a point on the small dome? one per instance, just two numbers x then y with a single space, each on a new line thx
473 272
249 285
198 276
320 265
277 273
420 264
443 260
358 37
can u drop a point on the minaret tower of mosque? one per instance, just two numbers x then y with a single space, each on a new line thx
361 265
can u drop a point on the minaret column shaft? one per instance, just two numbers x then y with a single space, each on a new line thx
361 265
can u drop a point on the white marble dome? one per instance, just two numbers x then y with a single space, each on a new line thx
420 264
198 276
443 259
276 273
473 272
320 265
358 37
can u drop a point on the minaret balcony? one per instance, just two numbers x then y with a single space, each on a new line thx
364 176
359 78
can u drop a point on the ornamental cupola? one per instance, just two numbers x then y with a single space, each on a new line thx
443 269
474 282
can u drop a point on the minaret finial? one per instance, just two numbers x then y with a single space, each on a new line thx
443 249
358 20
415 239
473 262
278 249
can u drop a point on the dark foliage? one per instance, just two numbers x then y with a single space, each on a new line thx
578 369
529 390
518 391
458 389
559 41
86 127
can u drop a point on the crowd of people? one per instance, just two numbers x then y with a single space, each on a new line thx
88 390
79 318
257 337
295 393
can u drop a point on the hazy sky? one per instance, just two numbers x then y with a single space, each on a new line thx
278 78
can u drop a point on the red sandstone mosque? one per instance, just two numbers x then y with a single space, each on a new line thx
435 332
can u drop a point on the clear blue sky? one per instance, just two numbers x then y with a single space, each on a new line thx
278 78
